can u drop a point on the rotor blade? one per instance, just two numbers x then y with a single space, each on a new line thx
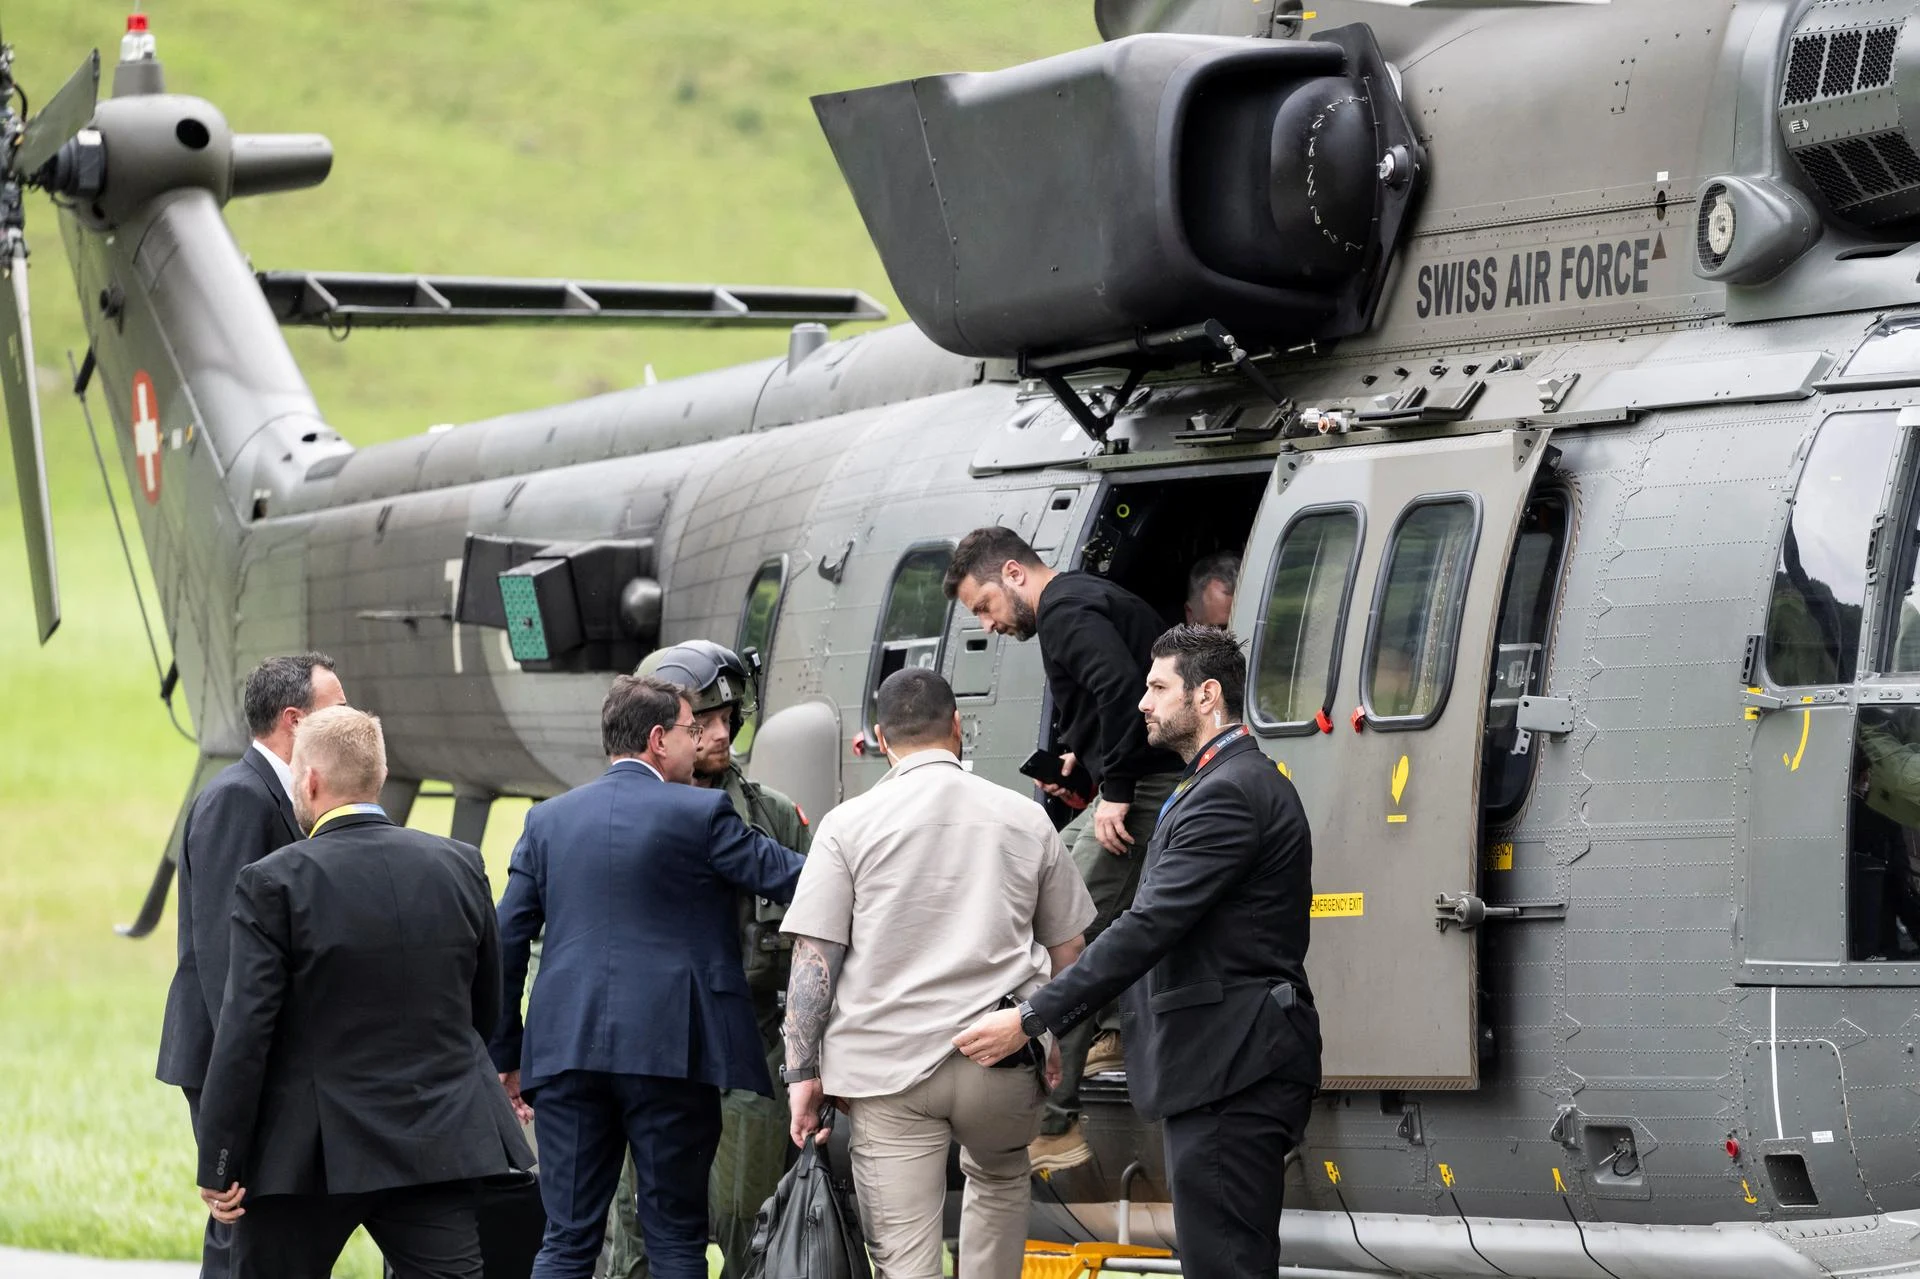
23 424
66 113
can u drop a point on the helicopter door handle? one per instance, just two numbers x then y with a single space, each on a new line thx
1755 700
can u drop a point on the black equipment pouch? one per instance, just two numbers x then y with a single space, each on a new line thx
1033 1055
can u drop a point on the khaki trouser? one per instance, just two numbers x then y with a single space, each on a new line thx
899 1149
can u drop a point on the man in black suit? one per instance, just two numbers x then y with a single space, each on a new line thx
243 814
641 1013
1223 1041
349 1083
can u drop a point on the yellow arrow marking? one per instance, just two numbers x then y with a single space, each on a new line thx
1400 772
1793 761
1446 1176
1333 1173
1747 1192
1558 1184
1285 772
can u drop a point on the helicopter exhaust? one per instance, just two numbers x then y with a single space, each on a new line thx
1151 184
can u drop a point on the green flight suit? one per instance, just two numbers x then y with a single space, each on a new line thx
753 1136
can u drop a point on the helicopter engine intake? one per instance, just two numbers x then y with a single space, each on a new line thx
1146 184
1848 98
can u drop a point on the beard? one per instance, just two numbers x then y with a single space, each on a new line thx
1178 732
302 815
1025 620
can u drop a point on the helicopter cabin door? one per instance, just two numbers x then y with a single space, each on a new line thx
1371 588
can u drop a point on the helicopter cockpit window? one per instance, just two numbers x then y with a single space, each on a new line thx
1891 350
1416 614
1820 585
915 617
1519 663
1297 647
756 633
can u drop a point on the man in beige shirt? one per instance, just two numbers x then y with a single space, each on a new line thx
924 903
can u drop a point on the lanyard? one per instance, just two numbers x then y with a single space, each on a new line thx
1200 766
343 811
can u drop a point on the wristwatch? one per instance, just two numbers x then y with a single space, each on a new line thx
1030 1021
798 1074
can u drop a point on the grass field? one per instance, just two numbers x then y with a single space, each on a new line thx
624 141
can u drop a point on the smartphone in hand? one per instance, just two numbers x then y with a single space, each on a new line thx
1044 767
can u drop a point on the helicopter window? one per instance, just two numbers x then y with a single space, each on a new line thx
1519 667
1899 626
1883 833
1297 646
1813 622
915 618
1892 349
756 633
1416 613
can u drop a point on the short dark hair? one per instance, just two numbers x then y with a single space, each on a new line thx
1202 653
914 705
1222 567
277 683
981 554
635 706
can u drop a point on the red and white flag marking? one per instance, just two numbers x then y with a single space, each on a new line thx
146 435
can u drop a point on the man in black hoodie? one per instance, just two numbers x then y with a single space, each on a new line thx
1096 642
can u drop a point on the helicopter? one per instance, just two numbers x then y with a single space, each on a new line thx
1553 366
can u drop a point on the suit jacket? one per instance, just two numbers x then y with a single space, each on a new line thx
351 1054
241 816
634 880
1217 930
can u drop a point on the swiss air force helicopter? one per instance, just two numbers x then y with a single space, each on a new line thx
1555 368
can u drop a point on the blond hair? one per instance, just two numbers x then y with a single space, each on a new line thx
347 749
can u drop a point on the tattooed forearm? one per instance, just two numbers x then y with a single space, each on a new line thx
816 967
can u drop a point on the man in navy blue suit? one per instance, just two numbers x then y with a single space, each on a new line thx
641 1014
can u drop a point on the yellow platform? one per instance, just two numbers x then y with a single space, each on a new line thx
1068 1261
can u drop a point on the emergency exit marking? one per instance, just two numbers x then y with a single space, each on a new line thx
1446 1176
1746 1192
1285 772
1400 773
1500 857
1333 1173
1558 1184
1338 905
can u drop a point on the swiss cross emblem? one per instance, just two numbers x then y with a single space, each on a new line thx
146 435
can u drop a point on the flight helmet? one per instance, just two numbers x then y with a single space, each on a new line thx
715 675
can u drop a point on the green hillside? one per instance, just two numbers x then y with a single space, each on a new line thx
648 141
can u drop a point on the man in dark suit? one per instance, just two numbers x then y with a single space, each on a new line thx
243 814
349 1083
641 1013
1223 1041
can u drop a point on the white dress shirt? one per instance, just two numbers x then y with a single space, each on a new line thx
635 759
280 769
